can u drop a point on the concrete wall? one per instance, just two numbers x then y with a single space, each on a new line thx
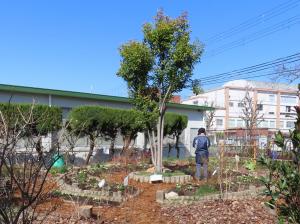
23 98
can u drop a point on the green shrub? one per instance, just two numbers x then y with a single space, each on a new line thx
283 180
98 168
57 170
93 182
44 119
283 188
174 173
245 179
250 165
178 187
121 187
174 125
96 121
205 190
81 177
57 193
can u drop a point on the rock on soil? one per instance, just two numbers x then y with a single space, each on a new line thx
237 211
85 211
171 195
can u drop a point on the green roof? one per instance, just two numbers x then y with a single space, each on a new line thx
64 93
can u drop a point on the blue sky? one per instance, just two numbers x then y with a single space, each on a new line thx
73 45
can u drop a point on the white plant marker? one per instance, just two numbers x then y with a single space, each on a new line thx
101 183
237 160
105 150
156 178
215 171
125 182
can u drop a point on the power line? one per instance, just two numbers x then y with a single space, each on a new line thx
255 36
254 68
243 73
254 21
258 67
248 77
237 75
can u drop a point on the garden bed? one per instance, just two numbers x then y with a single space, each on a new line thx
205 193
232 182
109 193
89 184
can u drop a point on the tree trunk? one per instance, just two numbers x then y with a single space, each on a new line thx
176 146
112 147
160 137
92 145
126 142
38 147
153 148
170 148
158 167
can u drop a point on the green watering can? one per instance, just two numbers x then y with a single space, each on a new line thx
60 162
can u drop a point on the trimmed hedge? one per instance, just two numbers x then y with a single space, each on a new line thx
43 119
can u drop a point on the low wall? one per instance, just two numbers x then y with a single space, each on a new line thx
172 179
250 193
103 195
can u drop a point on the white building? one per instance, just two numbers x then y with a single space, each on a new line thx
274 100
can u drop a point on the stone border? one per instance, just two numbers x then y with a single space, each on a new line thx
173 179
102 195
252 192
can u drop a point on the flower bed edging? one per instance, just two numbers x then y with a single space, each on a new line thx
102 195
252 192
180 179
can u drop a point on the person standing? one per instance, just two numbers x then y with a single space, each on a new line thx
201 143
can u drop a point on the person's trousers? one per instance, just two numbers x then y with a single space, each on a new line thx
274 154
201 162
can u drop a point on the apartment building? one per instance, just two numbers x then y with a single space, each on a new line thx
275 101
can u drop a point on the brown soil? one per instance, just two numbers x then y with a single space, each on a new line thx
143 209
214 212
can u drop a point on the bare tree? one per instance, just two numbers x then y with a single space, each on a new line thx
250 115
289 73
70 137
209 118
23 171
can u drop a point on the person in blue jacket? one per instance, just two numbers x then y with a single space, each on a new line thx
201 143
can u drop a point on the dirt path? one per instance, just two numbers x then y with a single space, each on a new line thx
142 209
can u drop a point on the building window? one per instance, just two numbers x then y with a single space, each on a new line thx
231 104
290 124
272 124
271 112
231 123
195 102
272 98
262 124
288 109
260 107
240 105
240 123
219 122
288 99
